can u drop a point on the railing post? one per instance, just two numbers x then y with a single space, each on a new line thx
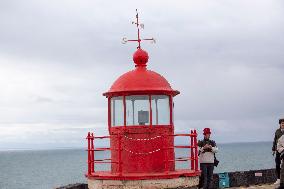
191 150
92 154
166 154
89 154
196 150
119 155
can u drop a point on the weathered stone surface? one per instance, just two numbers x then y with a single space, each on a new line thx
182 182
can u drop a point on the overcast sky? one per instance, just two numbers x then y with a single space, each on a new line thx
57 57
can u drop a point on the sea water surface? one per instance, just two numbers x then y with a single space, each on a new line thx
46 169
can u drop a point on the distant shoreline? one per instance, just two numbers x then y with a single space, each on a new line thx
246 142
42 149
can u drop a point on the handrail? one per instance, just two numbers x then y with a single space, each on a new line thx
193 152
103 159
102 137
191 135
101 149
105 162
193 155
184 146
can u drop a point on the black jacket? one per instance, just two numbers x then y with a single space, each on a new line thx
278 134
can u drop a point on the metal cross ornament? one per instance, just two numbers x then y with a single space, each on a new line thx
138 25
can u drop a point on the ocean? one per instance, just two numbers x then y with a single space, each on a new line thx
46 169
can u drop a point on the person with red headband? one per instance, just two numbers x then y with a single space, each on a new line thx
207 158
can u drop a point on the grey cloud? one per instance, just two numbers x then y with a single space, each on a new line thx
58 57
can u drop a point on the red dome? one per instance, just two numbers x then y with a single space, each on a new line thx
141 80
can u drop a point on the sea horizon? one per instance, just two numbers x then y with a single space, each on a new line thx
79 147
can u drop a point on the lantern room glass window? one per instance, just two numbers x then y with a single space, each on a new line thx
117 118
160 110
137 110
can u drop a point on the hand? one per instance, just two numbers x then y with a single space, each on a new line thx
206 146
273 153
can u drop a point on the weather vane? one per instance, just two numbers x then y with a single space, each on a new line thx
138 25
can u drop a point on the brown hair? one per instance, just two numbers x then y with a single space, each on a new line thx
281 120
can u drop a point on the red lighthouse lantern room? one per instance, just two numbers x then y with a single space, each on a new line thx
141 133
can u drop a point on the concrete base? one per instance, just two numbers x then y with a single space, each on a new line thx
181 182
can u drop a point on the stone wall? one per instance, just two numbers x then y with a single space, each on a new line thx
246 178
240 178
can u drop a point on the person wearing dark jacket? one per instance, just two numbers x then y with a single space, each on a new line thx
207 149
278 133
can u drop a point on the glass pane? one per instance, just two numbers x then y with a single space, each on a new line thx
137 110
160 110
117 111
129 110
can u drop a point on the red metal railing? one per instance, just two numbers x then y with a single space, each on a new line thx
91 155
193 153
